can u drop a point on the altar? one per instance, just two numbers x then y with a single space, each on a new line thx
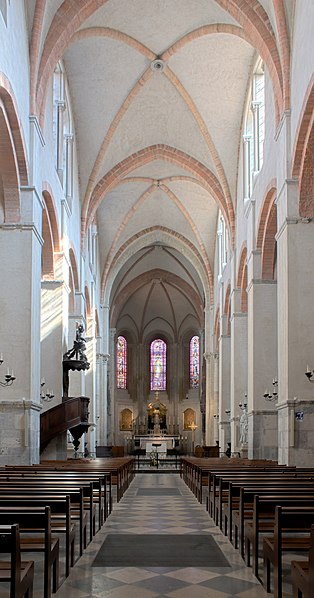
162 443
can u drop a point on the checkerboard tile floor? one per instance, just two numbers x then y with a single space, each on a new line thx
140 514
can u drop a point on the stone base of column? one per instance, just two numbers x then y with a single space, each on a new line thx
20 432
295 432
263 435
224 436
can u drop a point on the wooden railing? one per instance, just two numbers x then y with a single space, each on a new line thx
70 413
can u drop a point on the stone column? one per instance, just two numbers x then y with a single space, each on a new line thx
20 273
111 386
262 368
224 384
295 242
238 369
295 249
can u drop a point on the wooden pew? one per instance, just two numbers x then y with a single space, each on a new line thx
302 573
36 525
61 522
98 483
291 533
20 574
56 487
263 518
76 501
229 494
122 469
100 478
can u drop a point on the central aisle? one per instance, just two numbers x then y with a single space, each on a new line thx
178 514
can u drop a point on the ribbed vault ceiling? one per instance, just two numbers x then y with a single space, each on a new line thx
188 113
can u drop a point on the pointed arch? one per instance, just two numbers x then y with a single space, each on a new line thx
303 131
73 262
10 105
242 278
217 330
9 173
303 154
267 229
227 306
50 206
145 156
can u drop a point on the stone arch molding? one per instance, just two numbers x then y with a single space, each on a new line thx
153 237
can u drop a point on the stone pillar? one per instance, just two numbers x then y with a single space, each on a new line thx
238 366
224 384
20 273
295 241
54 329
262 368
111 386
295 249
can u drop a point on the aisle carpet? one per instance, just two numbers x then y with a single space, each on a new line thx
160 550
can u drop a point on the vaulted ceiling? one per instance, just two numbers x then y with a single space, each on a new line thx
158 90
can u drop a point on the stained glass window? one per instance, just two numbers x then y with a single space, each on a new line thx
194 362
121 361
158 350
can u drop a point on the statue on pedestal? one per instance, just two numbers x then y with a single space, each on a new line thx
244 424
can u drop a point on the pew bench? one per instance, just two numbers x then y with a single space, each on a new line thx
302 573
291 534
262 521
35 536
19 574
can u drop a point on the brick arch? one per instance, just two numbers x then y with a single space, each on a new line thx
74 268
304 128
217 330
69 18
9 173
267 229
50 206
72 292
47 254
269 245
172 237
88 311
145 278
227 306
145 156
8 101
97 324
306 204
284 46
255 22
303 154
242 278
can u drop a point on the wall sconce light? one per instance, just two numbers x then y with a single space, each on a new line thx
309 374
8 378
274 395
48 396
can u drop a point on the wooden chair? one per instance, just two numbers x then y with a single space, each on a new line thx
20 574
